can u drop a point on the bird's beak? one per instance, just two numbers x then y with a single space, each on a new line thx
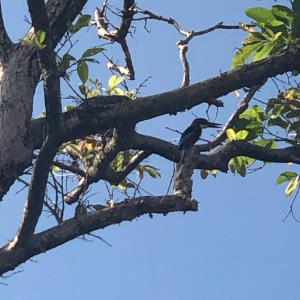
214 125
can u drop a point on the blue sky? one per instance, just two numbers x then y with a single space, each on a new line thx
235 247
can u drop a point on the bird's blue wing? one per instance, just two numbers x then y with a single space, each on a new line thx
186 136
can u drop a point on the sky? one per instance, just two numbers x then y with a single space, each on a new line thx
236 247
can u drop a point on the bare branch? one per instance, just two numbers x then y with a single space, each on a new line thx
188 36
185 63
220 25
69 168
118 35
126 210
153 16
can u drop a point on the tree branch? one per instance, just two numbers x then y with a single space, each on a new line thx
126 210
118 35
99 115
59 13
49 149
219 159
100 164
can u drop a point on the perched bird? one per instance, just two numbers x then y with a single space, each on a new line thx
192 134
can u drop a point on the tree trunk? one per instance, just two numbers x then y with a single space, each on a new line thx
19 79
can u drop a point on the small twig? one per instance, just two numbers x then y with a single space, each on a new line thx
240 109
291 209
100 238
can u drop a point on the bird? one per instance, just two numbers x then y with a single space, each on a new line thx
192 134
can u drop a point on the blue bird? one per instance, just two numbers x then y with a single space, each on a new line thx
192 134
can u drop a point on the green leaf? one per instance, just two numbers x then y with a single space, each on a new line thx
152 171
140 171
65 62
260 14
263 52
89 59
243 54
83 71
232 168
93 93
253 113
40 38
114 81
266 143
83 21
83 89
240 165
248 160
119 162
283 14
92 51
56 169
42 114
292 186
242 134
286 176
117 91
124 185
278 110
69 107
231 134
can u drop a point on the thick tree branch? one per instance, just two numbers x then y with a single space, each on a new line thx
59 13
36 193
47 62
43 163
127 210
99 115
219 159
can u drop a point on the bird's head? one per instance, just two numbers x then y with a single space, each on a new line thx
203 123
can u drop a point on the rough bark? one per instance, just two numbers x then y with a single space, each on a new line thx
20 76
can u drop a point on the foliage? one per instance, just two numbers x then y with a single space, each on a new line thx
277 29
